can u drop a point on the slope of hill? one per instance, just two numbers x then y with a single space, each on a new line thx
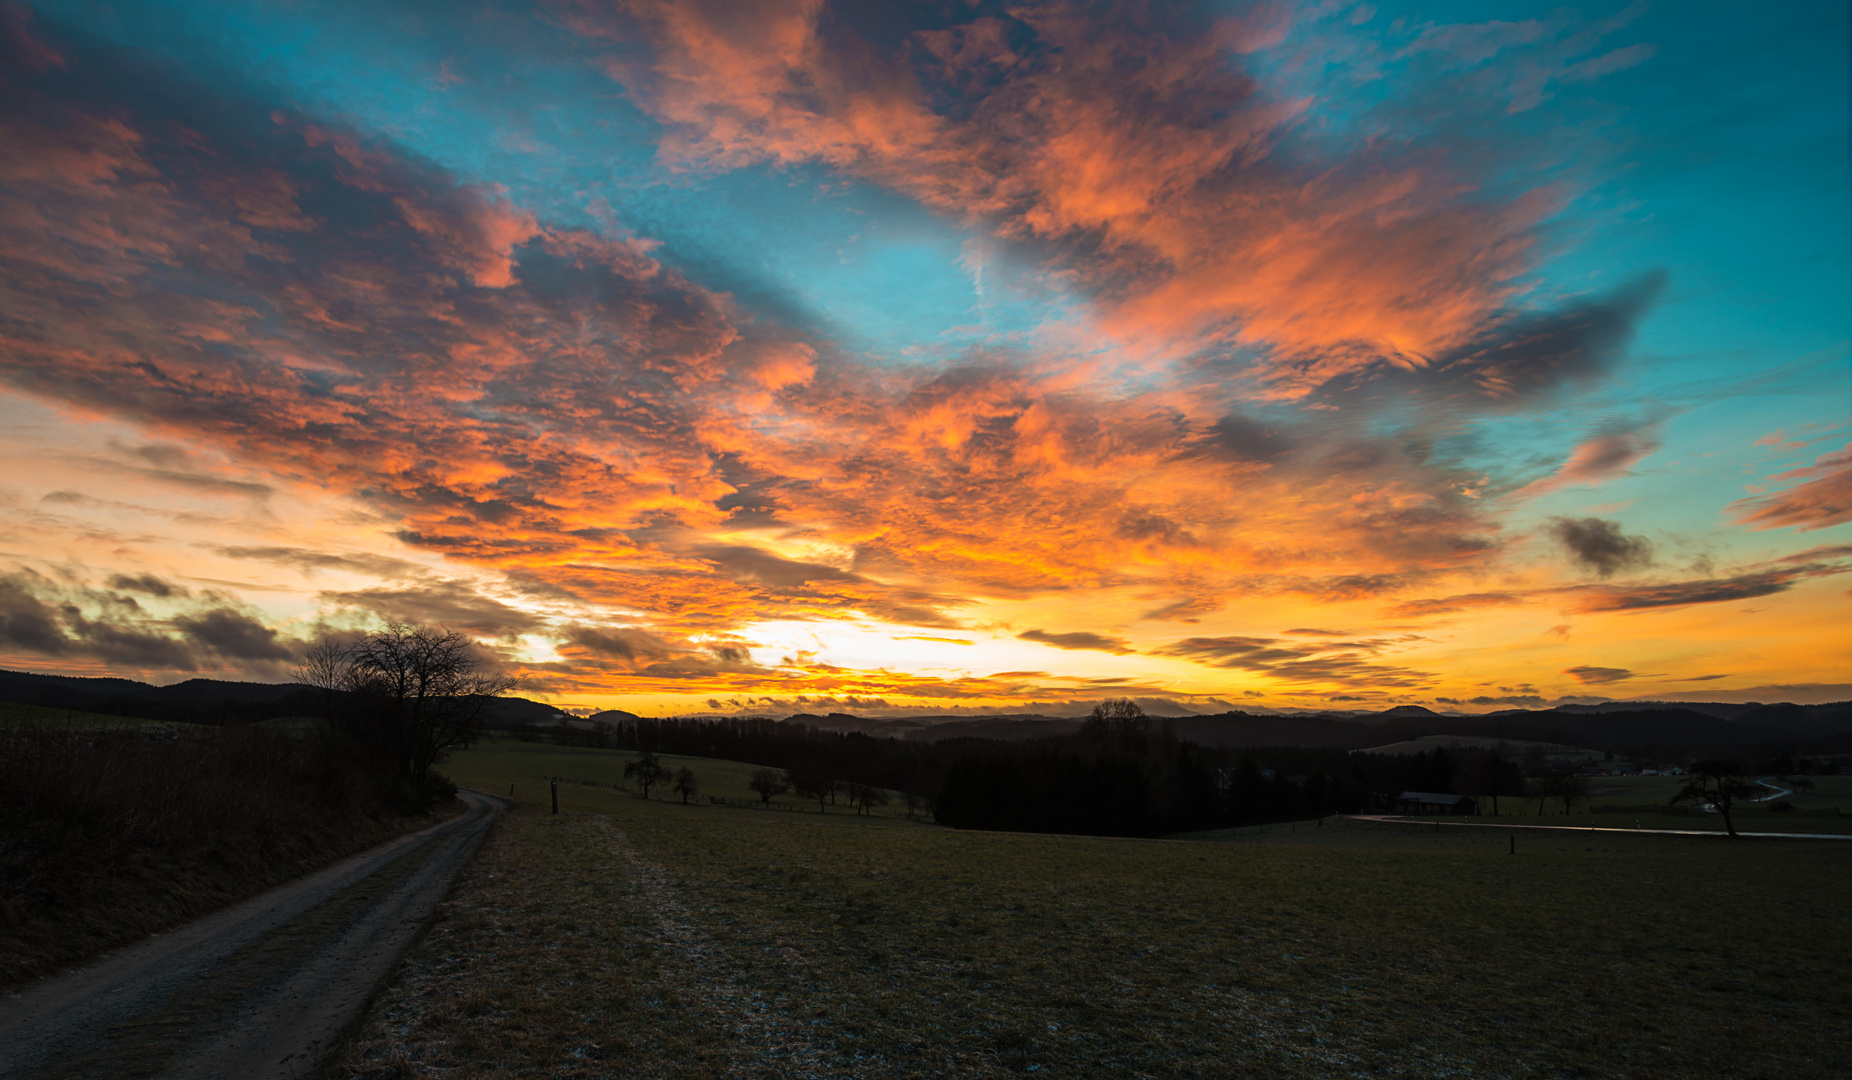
205 701
1635 728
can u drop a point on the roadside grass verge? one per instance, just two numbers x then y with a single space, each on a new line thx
107 835
644 939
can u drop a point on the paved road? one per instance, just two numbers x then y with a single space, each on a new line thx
1432 822
1775 791
259 990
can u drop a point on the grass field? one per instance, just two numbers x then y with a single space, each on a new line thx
589 776
634 939
1619 801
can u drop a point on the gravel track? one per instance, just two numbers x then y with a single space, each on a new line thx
261 989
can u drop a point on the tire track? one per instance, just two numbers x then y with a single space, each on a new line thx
776 1043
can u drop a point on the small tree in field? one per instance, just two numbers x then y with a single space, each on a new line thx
1571 786
646 771
1557 782
866 798
767 784
811 780
686 785
1717 784
1538 787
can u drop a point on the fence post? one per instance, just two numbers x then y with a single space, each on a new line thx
1513 837
556 796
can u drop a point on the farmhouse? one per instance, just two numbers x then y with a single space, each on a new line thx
1427 802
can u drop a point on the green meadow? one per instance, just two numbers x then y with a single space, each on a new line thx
1624 801
650 939
588 777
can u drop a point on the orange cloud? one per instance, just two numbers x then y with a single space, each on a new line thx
1823 500
1595 461
1132 139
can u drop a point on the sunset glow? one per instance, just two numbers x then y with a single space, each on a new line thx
776 357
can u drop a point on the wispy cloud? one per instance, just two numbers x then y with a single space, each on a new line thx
1823 499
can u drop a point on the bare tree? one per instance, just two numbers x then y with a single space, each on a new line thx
1539 788
685 784
1116 718
1571 786
1485 775
1718 784
414 692
647 771
812 780
768 783
866 798
1557 782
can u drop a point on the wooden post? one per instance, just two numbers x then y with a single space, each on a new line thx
511 791
556 796
1513 837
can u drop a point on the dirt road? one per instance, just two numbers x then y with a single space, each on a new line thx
261 989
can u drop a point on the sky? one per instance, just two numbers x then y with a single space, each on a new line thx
939 357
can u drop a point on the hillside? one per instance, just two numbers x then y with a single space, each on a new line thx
206 701
1634 728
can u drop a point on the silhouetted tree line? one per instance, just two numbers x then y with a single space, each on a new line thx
1121 775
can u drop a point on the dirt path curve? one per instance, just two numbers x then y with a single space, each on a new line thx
261 989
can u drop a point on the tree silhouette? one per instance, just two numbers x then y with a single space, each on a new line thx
1116 719
1557 782
767 783
1571 786
685 784
413 692
812 780
1719 784
646 771
866 798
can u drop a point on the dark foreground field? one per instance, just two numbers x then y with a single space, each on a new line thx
635 939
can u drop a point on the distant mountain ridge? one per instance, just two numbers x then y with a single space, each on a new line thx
1653 728
204 701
